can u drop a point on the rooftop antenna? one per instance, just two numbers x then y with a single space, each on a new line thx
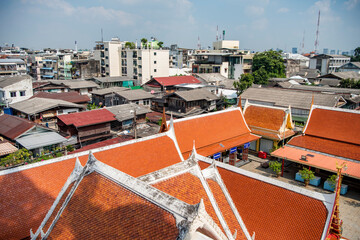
303 43
75 46
317 33
102 37
223 35
217 33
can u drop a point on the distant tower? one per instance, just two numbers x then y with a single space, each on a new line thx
217 33
303 43
75 46
199 45
223 35
102 36
317 34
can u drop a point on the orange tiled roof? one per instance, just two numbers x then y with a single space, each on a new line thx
24 208
332 147
101 209
210 129
272 135
188 188
264 207
334 124
318 160
264 117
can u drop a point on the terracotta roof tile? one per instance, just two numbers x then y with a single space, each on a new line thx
87 118
332 147
12 126
225 209
101 209
273 212
264 117
210 129
25 207
188 188
334 124
108 142
170 81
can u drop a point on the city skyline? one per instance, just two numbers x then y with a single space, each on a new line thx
258 25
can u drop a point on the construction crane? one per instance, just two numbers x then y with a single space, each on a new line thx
317 34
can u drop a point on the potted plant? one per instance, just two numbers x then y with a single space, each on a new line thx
307 175
276 167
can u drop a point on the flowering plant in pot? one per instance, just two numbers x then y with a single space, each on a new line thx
307 175
276 167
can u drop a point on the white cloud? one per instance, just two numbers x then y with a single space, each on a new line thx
260 23
283 10
254 10
327 15
350 4
101 13
54 4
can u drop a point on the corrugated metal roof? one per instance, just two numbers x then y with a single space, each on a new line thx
9 80
37 105
73 97
110 90
87 118
7 60
76 84
197 94
136 94
37 140
11 126
170 81
285 97
124 111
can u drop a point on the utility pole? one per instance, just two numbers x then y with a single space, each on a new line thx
135 131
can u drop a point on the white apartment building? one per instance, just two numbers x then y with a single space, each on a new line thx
328 63
15 89
140 64
12 67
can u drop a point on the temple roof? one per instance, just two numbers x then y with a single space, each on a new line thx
24 208
213 132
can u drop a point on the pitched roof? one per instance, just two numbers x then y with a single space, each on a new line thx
175 80
136 94
285 97
38 140
12 126
9 80
104 91
265 203
87 118
333 123
73 97
6 148
269 122
38 105
325 89
25 207
196 94
213 132
125 111
76 84
342 75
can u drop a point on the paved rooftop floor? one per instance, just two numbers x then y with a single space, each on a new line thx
349 203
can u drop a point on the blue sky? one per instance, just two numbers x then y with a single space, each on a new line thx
257 24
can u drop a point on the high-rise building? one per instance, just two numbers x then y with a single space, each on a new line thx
325 51
294 50
139 63
332 52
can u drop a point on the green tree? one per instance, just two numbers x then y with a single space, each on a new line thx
160 44
349 83
356 57
143 42
267 65
130 45
245 81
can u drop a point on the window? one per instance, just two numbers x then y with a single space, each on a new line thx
106 49
107 74
154 70
22 93
139 58
154 53
154 62
12 94
106 57
107 65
